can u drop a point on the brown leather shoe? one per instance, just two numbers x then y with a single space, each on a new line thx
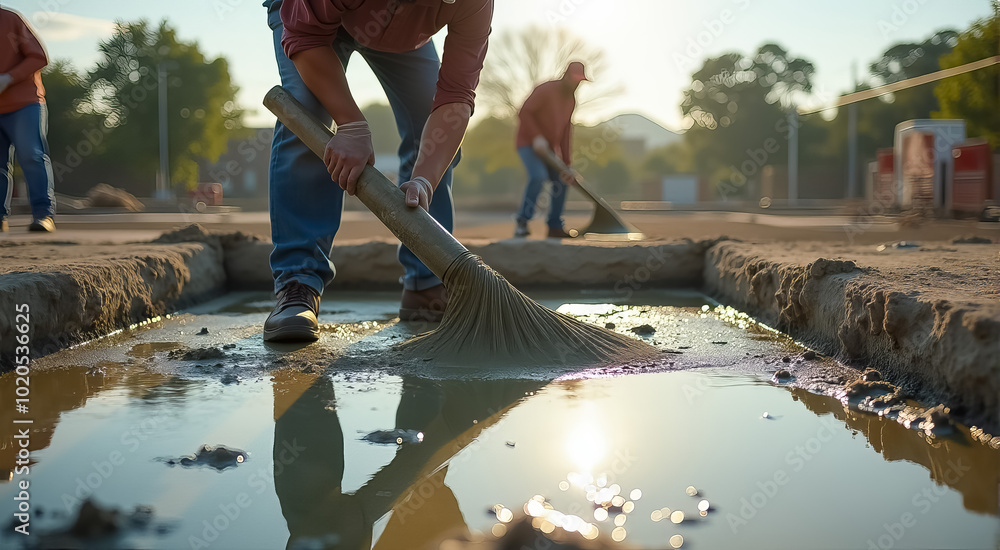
294 318
4 227
560 233
426 305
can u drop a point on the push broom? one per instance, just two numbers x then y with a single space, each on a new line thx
487 320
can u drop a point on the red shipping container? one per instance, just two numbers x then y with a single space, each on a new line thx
885 181
972 183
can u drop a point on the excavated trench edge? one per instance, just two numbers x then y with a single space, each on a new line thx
933 350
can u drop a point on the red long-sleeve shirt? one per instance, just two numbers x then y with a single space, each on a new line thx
23 58
396 27
548 112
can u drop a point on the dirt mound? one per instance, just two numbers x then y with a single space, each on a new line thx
927 318
103 195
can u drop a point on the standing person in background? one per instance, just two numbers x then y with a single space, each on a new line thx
545 123
24 121
432 100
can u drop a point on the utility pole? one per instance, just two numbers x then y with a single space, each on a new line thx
793 156
852 139
163 177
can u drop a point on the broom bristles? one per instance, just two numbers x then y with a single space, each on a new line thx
489 321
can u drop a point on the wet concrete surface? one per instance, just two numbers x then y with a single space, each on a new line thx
607 452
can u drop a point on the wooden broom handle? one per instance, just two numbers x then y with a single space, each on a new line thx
414 227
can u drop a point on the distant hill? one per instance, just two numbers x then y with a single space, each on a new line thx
639 127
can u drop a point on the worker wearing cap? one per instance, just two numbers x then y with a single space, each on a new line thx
24 121
432 100
545 125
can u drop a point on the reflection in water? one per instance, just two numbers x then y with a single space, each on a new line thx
957 462
586 444
309 461
54 392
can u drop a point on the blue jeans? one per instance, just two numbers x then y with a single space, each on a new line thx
22 133
538 174
305 206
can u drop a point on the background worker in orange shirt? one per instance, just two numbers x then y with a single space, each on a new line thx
24 121
545 123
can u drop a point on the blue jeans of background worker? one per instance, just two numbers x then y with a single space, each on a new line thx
22 134
538 174
305 205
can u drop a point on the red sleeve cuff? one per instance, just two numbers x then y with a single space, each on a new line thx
309 24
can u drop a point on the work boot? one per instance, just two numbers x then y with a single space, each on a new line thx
424 305
294 316
560 233
4 227
521 229
46 224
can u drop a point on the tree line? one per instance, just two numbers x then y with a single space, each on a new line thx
104 121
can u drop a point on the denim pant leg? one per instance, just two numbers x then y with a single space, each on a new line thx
410 82
25 130
558 199
305 204
538 174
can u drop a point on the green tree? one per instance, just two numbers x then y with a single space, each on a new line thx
670 159
974 96
201 108
385 135
489 160
75 132
737 104
877 118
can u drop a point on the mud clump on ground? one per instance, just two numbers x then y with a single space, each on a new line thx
871 394
218 458
197 354
933 421
104 195
644 330
782 375
971 239
985 438
397 437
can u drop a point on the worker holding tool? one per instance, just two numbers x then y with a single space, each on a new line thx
432 101
24 121
545 124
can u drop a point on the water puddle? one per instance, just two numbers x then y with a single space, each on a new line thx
334 445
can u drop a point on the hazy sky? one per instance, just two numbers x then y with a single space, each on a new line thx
648 42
